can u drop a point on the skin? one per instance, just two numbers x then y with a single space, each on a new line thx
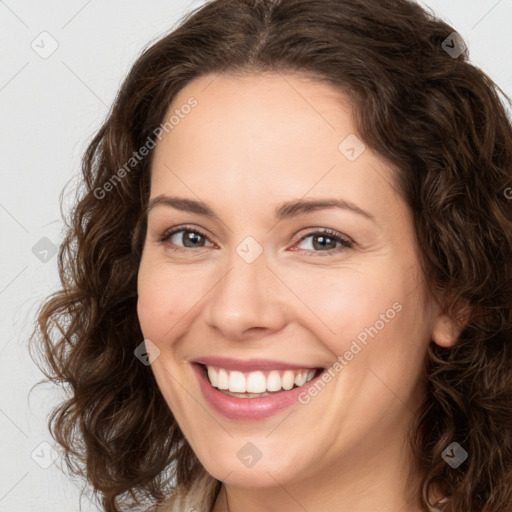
252 143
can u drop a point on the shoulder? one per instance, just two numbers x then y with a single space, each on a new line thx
200 498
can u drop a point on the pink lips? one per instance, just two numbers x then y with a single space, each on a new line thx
247 408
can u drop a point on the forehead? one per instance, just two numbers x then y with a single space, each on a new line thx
257 138
256 109
263 113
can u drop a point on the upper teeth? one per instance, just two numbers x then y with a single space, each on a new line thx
258 382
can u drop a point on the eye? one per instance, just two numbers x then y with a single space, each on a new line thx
322 242
325 241
185 238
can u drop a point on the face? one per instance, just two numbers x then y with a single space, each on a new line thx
278 251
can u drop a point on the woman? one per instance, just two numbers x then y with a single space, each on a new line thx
287 285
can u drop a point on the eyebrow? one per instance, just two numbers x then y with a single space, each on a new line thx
283 211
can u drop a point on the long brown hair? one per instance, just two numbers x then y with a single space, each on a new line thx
440 123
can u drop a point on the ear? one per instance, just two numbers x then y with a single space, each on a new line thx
447 328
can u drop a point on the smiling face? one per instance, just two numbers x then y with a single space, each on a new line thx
249 283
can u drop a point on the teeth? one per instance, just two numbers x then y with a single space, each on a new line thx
288 380
258 382
213 375
223 379
237 382
300 378
273 381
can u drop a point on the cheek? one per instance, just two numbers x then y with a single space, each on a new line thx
342 304
369 307
154 302
166 297
150 307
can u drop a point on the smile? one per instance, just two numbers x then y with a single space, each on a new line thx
258 383
251 390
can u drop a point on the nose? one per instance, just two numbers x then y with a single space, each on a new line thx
248 302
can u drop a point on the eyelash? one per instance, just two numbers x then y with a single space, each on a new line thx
345 242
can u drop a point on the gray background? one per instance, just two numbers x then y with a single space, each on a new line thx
51 105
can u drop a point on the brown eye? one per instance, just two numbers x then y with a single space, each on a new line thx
325 241
191 239
186 238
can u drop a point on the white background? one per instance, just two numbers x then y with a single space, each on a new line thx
49 110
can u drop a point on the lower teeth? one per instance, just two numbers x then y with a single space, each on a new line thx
251 395
245 395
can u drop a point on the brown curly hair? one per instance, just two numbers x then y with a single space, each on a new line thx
440 123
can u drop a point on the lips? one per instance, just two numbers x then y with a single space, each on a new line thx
252 389
250 365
